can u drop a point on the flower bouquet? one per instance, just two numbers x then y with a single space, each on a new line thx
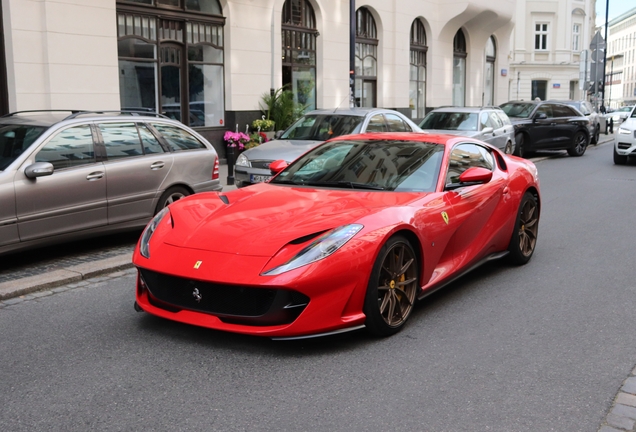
236 139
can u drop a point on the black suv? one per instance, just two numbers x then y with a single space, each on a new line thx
548 126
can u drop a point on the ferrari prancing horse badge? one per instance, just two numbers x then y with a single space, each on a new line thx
445 217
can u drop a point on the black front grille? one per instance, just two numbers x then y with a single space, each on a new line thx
263 164
235 304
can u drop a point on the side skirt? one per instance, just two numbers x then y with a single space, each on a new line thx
442 284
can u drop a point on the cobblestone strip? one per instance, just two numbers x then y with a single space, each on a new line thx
70 286
622 415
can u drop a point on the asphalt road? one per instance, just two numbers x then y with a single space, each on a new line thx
543 347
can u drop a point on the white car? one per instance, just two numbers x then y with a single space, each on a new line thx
620 114
625 140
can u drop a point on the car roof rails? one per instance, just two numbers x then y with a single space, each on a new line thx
132 112
37 111
77 113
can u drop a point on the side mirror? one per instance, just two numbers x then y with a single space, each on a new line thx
39 169
475 175
487 130
278 134
541 116
277 166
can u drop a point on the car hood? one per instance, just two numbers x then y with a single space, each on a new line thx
288 150
266 217
469 134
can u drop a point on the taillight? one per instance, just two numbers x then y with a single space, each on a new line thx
215 171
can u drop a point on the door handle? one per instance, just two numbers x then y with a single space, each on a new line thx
95 175
157 165
552 124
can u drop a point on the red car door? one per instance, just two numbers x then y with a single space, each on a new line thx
481 212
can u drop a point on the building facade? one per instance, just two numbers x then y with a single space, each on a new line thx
620 70
547 42
209 62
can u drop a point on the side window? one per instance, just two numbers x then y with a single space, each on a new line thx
564 111
495 121
121 140
396 124
465 156
376 124
177 138
69 148
547 109
483 120
504 118
148 140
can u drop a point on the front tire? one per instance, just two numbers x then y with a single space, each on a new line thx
171 195
524 236
619 159
579 144
392 287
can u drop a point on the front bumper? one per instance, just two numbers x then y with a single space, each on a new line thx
625 144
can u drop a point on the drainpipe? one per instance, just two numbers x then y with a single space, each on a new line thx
272 87
352 53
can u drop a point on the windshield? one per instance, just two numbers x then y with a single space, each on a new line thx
377 165
518 109
321 127
625 109
450 121
15 139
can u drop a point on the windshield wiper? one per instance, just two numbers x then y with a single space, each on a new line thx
286 182
343 183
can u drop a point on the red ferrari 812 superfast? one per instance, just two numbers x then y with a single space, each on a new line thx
350 235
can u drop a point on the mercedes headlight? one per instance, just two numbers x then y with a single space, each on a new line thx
243 161
144 243
320 248
624 131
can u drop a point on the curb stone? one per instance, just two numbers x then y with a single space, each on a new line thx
621 416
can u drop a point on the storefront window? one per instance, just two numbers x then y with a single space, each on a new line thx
366 67
417 76
489 73
459 69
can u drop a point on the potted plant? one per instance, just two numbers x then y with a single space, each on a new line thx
280 107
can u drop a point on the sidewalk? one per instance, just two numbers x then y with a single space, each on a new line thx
74 269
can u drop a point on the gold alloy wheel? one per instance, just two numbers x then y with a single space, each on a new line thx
397 285
528 226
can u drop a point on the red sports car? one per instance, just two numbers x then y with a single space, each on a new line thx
349 235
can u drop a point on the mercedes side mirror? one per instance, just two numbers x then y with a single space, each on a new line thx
278 134
39 169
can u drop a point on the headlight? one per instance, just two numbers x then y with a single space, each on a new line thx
242 160
624 131
320 248
144 243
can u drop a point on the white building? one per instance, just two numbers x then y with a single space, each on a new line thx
208 62
620 70
548 38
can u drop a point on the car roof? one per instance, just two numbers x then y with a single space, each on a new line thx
358 111
465 109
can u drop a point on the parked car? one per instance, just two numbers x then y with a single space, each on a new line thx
313 128
69 175
597 121
543 125
619 115
488 124
625 140
350 235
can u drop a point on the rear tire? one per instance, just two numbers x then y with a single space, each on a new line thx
597 134
392 288
619 159
171 195
519 144
579 144
524 235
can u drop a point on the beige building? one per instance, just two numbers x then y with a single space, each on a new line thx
620 82
548 38
208 62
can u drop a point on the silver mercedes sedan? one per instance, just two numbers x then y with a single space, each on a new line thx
315 127
69 175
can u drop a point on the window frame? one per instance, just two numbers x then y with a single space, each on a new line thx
541 36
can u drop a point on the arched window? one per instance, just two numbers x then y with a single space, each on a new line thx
459 69
417 79
366 59
489 73
171 59
299 51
